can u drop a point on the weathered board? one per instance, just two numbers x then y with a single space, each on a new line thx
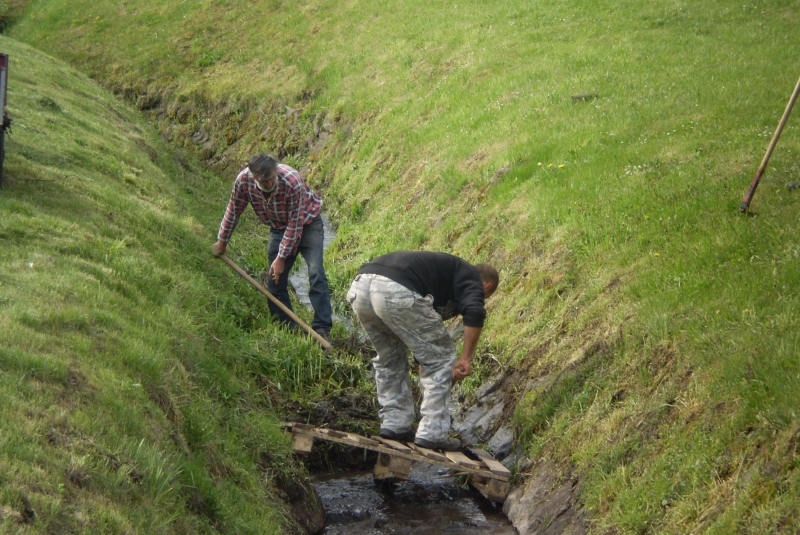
395 458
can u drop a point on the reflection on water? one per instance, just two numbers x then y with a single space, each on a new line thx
429 503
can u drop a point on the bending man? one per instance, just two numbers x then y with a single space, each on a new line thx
281 199
401 299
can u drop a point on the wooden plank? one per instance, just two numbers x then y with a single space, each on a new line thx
381 470
496 467
343 438
494 490
461 459
391 467
362 440
411 452
479 453
430 454
356 439
381 473
399 465
394 444
491 463
302 442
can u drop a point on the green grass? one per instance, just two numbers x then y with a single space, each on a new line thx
140 379
614 220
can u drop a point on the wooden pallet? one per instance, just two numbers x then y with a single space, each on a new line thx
396 458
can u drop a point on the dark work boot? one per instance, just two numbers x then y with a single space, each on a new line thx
325 335
404 436
448 444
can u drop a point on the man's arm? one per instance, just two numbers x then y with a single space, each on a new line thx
236 206
463 366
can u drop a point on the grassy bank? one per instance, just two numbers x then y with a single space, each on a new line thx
139 379
666 318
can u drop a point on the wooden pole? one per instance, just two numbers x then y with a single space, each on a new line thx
324 343
748 197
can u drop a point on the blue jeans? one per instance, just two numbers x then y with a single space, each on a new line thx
311 249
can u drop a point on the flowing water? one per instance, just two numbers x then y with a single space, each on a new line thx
430 502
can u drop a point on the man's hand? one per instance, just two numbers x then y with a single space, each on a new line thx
462 368
219 248
276 269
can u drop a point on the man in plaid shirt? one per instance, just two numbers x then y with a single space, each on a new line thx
281 199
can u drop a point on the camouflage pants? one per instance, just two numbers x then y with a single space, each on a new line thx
396 320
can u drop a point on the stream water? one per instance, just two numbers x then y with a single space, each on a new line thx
430 502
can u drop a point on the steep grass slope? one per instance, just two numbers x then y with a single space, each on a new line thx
133 369
658 323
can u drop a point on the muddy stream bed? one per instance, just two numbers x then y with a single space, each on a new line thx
430 502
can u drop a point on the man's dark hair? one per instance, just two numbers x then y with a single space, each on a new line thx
262 164
488 274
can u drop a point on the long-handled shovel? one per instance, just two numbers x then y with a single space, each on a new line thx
749 195
324 343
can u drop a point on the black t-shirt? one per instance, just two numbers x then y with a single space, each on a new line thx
454 283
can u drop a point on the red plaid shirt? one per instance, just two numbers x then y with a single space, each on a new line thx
292 205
